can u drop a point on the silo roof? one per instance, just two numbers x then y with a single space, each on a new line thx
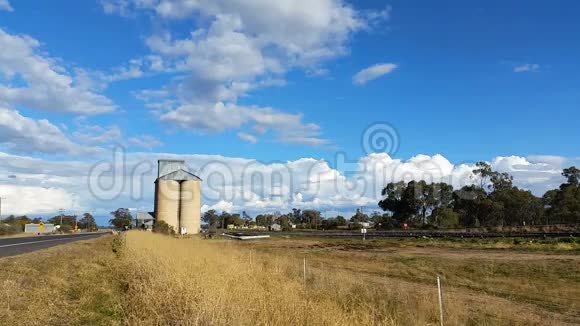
180 175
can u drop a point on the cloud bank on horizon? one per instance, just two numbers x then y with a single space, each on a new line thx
38 186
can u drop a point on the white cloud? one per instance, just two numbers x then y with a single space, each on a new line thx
25 135
5 5
373 72
120 7
47 85
287 127
23 200
527 67
236 48
221 206
237 184
94 135
553 160
145 141
248 137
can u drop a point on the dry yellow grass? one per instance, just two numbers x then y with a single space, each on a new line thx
159 280
192 281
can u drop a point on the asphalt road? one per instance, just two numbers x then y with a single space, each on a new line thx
17 246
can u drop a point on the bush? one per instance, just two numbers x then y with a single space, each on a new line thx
65 228
163 228
8 229
447 217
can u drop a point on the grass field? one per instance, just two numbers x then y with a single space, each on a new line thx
150 279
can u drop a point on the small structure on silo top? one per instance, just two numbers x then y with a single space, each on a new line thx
178 197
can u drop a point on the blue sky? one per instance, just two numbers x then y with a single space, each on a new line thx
275 82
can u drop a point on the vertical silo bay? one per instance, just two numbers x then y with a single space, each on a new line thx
190 206
168 202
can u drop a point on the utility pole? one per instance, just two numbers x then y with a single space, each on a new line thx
1 209
61 211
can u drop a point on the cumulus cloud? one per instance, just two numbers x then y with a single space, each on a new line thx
288 128
5 5
25 135
248 137
48 86
238 184
35 200
95 135
527 67
145 141
238 49
373 72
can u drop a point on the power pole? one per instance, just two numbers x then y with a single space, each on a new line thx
61 211
1 209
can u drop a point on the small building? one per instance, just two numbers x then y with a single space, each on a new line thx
144 220
275 227
39 228
365 225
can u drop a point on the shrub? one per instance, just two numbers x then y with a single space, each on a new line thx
8 229
163 228
65 228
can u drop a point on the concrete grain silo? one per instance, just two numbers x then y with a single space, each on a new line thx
178 197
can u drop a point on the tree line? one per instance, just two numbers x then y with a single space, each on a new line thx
495 201
15 224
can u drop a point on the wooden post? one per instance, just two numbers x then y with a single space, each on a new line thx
304 271
440 300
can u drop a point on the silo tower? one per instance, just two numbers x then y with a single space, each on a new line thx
178 197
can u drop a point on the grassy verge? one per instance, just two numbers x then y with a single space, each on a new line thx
72 284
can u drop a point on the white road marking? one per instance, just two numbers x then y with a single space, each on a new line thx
41 241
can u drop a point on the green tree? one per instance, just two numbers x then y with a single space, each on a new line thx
69 220
311 217
87 222
564 203
484 172
359 217
446 217
572 174
211 218
340 220
394 201
17 222
121 218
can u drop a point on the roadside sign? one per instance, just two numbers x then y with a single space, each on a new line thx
40 226
363 231
76 227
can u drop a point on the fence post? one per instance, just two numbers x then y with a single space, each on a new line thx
304 271
440 300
